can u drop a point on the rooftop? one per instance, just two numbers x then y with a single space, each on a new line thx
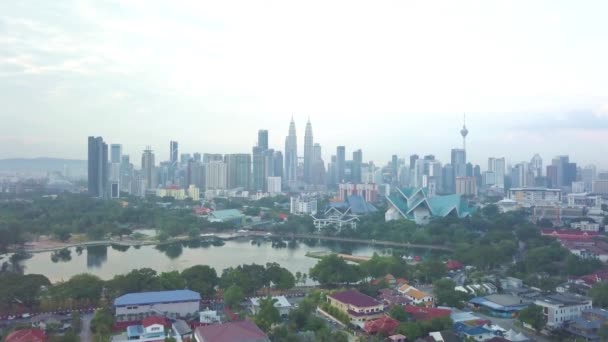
226 214
281 302
561 299
141 298
355 298
244 331
425 314
26 335
152 320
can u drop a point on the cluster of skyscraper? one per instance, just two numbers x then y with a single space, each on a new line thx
264 170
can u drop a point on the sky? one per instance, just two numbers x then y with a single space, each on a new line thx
389 77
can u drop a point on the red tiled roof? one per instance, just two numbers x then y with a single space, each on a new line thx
26 335
568 234
452 265
151 320
231 332
383 324
425 314
355 298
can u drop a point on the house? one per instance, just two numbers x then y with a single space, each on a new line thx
209 317
152 328
358 306
182 329
440 336
475 332
560 308
281 303
416 205
243 331
510 283
426 314
391 298
416 296
397 338
588 325
389 279
173 304
453 265
383 325
27 335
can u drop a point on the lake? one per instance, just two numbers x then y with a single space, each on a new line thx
107 261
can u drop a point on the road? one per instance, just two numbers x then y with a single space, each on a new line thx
85 333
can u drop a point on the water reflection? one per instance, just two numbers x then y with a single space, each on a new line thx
120 248
106 261
171 250
62 255
96 256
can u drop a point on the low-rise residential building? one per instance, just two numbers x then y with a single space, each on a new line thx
585 226
419 313
383 325
174 304
281 303
155 328
561 308
243 331
568 234
209 317
416 296
511 283
358 306
588 325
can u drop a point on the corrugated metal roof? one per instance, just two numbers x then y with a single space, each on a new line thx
157 297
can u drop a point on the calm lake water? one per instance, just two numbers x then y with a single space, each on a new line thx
107 261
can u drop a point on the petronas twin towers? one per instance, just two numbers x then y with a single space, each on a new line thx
291 154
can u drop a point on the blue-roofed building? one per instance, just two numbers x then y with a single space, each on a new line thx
173 304
233 216
500 305
416 205
476 332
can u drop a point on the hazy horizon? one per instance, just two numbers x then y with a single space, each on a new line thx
388 77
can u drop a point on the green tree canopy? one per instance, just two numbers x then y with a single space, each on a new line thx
233 296
334 270
202 279
268 314
532 315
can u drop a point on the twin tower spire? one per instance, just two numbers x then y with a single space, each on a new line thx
291 153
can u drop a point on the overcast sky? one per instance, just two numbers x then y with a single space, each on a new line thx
389 77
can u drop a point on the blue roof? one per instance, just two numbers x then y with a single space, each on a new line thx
157 297
408 199
227 214
358 205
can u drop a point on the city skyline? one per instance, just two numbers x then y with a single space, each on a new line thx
212 69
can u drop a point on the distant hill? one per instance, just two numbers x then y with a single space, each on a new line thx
77 168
